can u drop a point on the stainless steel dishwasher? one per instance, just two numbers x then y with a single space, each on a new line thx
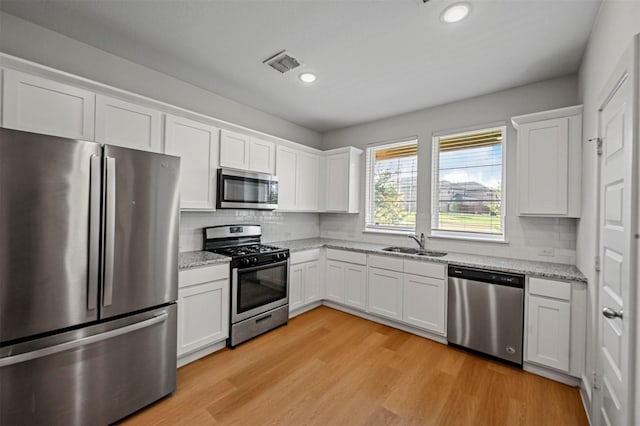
485 312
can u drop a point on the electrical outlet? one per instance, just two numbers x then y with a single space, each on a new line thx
547 252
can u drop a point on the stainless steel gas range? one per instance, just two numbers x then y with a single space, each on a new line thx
259 280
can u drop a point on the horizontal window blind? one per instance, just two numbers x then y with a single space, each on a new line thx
467 183
392 171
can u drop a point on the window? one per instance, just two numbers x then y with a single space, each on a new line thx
468 196
392 171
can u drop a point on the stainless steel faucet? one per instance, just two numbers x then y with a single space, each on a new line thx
420 241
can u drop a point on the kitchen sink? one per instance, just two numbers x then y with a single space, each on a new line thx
417 251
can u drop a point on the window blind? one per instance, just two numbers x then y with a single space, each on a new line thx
467 183
392 171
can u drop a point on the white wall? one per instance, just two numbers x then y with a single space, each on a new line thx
616 24
32 42
526 235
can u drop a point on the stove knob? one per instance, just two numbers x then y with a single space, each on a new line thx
282 256
254 260
245 261
275 256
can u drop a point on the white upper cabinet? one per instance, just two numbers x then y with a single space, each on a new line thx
38 105
298 174
342 168
129 125
197 146
549 162
239 151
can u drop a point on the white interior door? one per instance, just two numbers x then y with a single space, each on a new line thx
618 221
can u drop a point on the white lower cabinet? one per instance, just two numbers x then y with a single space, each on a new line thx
385 293
346 282
549 332
424 302
203 308
555 325
304 284
408 291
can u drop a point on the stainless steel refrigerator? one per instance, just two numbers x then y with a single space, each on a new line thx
88 279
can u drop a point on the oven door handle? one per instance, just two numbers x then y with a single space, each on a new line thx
265 266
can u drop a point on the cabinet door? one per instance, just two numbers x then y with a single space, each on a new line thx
128 125
337 186
197 146
296 286
234 150
385 293
548 334
262 156
312 282
424 302
39 105
203 315
286 168
308 173
335 281
355 285
543 167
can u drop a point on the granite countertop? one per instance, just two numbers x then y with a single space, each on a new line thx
503 264
193 259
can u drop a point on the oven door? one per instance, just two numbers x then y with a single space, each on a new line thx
246 190
258 289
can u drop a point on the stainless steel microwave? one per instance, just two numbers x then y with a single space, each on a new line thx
246 190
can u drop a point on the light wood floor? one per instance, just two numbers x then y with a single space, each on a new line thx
330 368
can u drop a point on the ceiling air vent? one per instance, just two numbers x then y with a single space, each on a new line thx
282 62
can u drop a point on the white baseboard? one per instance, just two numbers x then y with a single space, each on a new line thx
586 395
551 374
190 357
384 321
305 308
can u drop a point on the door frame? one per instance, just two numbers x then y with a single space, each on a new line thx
629 64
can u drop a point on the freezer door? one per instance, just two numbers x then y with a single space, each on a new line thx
48 237
91 376
140 230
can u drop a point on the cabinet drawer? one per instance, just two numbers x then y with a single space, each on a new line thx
347 256
549 288
304 256
390 263
189 277
426 269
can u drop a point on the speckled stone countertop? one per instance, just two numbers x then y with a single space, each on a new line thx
193 259
503 264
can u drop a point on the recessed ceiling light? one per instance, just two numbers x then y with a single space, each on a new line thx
307 77
456 12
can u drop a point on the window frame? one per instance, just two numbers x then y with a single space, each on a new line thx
435 172
370 153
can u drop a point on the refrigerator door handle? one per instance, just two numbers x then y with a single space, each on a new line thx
94 231
110 230
62 347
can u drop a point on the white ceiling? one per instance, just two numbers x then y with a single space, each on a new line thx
373 58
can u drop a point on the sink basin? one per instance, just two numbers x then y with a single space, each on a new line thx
411 250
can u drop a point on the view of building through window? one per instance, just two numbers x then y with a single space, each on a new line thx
392 171
468 196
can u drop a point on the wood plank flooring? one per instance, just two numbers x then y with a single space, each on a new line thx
331 368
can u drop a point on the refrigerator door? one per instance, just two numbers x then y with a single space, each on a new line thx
140 230
49 229
91 376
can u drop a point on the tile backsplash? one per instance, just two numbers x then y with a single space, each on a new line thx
527 237
276 226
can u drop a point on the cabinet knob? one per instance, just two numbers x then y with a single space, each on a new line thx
612 314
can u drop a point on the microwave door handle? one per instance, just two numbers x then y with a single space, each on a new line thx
110 229
94 230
